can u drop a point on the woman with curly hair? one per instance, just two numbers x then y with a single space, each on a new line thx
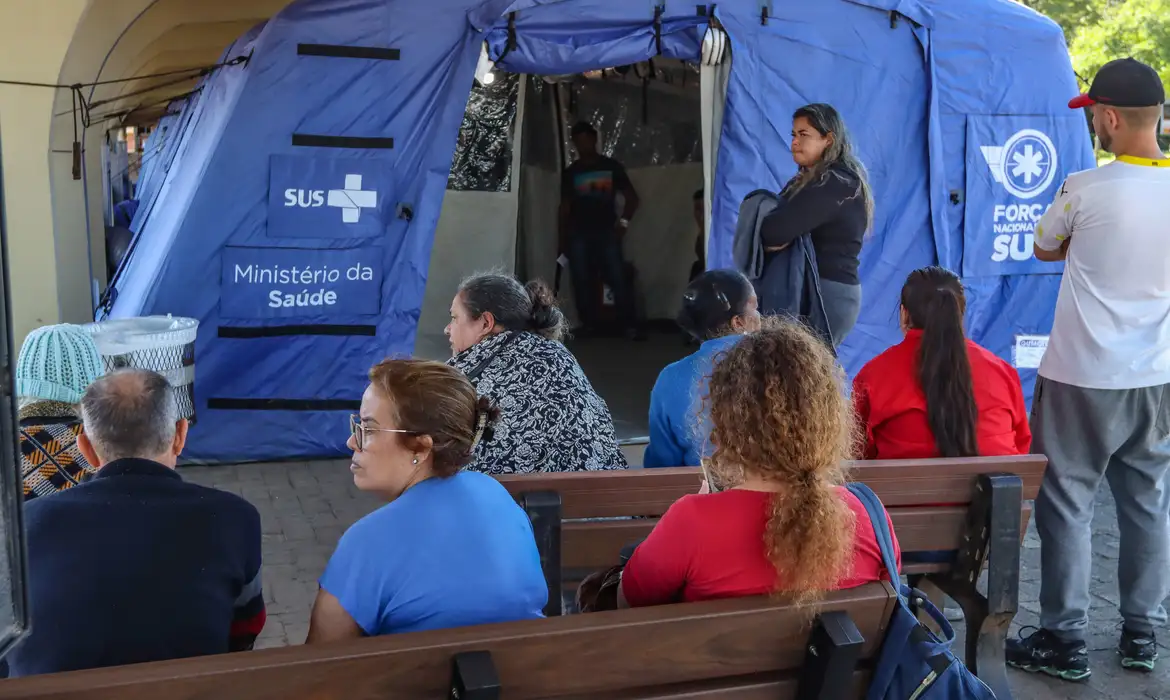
781 430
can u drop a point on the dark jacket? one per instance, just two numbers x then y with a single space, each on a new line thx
137 565
786 281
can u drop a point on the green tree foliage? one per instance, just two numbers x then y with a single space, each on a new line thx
1071 15
1138 28
1098 31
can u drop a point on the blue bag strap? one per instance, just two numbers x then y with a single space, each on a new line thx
881 528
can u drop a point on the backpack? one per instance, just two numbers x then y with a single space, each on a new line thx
914 664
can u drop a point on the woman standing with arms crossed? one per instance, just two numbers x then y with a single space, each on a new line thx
829 199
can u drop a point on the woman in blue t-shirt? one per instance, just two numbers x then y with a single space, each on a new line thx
718 307
451 548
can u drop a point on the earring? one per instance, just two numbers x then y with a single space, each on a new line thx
414 461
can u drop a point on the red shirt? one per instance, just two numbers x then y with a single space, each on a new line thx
891 405
712 546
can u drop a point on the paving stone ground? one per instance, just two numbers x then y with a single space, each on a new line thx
306 506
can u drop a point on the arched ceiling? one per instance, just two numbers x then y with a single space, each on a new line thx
121 39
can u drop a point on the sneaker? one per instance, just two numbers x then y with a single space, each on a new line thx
1139 650
1045 652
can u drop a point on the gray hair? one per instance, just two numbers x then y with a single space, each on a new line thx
129 413
515 306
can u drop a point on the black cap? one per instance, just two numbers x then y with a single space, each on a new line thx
1124 82
583 128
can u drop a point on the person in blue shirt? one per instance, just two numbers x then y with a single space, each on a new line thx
718 307
451 548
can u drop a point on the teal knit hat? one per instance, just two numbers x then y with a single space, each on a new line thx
57 363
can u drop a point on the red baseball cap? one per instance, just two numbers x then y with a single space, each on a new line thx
1124 82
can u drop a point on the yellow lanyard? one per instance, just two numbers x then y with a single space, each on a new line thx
1148 162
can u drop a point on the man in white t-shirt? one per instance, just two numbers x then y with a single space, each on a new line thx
1101 408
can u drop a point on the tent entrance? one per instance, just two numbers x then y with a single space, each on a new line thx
649 119
660 120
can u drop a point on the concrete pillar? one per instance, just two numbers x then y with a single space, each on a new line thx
34 41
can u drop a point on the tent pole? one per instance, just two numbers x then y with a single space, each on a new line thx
562 156
713 96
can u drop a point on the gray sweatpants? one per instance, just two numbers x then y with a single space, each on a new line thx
1122 435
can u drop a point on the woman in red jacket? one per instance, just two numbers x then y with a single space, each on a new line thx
938 394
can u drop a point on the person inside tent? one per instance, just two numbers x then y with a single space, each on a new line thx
55 366
829 199
592 233
786 523
718 307
937 393
451 548
506 337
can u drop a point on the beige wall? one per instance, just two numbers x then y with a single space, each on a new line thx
117 39
51 260
33 42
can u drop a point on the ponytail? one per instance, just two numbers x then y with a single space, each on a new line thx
809 537
944 371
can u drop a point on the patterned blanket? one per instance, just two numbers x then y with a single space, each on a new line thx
49 458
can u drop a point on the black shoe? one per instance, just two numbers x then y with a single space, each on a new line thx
1045 652
1138 651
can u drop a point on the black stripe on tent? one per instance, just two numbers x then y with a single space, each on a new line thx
283 331
284 404
338 51
321 141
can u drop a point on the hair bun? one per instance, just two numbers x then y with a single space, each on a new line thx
546 318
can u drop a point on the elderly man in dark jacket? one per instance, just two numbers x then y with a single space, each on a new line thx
137 565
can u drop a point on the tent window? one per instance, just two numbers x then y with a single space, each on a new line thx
670 136
541 145
483 156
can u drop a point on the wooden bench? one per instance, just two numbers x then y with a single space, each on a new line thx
981 527
745 649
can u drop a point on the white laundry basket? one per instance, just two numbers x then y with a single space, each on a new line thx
163 344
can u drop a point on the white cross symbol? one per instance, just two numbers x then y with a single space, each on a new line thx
353 199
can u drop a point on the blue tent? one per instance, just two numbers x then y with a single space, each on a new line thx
296 217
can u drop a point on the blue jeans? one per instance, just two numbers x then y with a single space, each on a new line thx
595 258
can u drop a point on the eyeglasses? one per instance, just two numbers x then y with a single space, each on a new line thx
359 431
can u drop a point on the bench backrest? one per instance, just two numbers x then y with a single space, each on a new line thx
927 499
649 492
749 647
